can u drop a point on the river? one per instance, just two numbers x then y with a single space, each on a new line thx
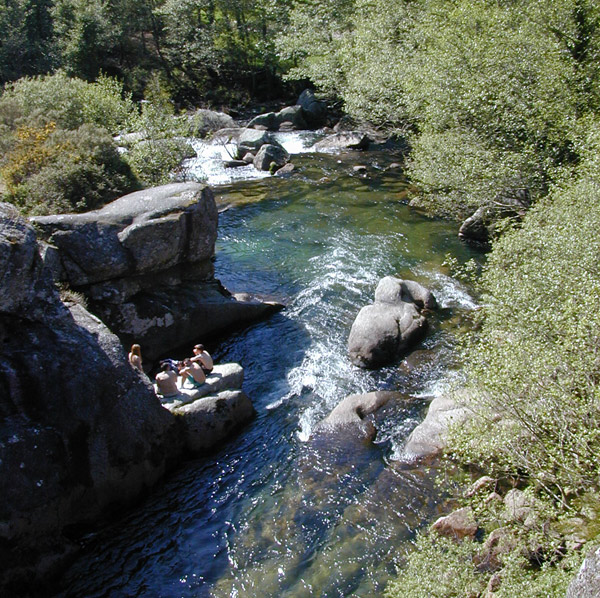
280 511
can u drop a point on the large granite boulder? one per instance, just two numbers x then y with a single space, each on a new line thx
210 413
145 264
80 429
314 110
251 140
290 118
212 419
385 330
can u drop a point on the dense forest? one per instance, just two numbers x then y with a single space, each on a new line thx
498 99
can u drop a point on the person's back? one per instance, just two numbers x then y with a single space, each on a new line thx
166 381
135 357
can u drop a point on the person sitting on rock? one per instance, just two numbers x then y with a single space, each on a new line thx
192 373
202 357
135 357
166 381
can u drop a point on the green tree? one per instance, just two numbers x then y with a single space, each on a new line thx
26 37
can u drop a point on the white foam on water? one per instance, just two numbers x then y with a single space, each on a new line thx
208 165
449 292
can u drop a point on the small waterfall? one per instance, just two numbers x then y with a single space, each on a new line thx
211 155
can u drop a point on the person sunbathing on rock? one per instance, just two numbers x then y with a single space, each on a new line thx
192 373
166 381
135 357
202 357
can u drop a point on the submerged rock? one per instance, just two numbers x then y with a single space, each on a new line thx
383 331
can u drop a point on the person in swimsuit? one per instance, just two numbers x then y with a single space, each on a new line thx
192 373
202 357
135 357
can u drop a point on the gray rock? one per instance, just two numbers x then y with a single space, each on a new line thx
144 262
265 122
519 507
314 110
394 290
251 140
203 122
586 584
225 376
428 439
352 411
235 163
227 135
269 154
210 420
343 141
292 118
73 440
475 228
385 330
142 231
286 170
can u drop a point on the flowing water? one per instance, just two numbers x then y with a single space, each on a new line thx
283 509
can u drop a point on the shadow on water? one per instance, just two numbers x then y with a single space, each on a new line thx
280 511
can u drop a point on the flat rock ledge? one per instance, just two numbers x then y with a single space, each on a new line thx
385 330
210 413
429 438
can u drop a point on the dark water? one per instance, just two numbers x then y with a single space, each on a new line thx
280 511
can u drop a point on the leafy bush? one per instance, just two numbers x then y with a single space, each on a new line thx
156 158
438 568
442 568
68 102
52 170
